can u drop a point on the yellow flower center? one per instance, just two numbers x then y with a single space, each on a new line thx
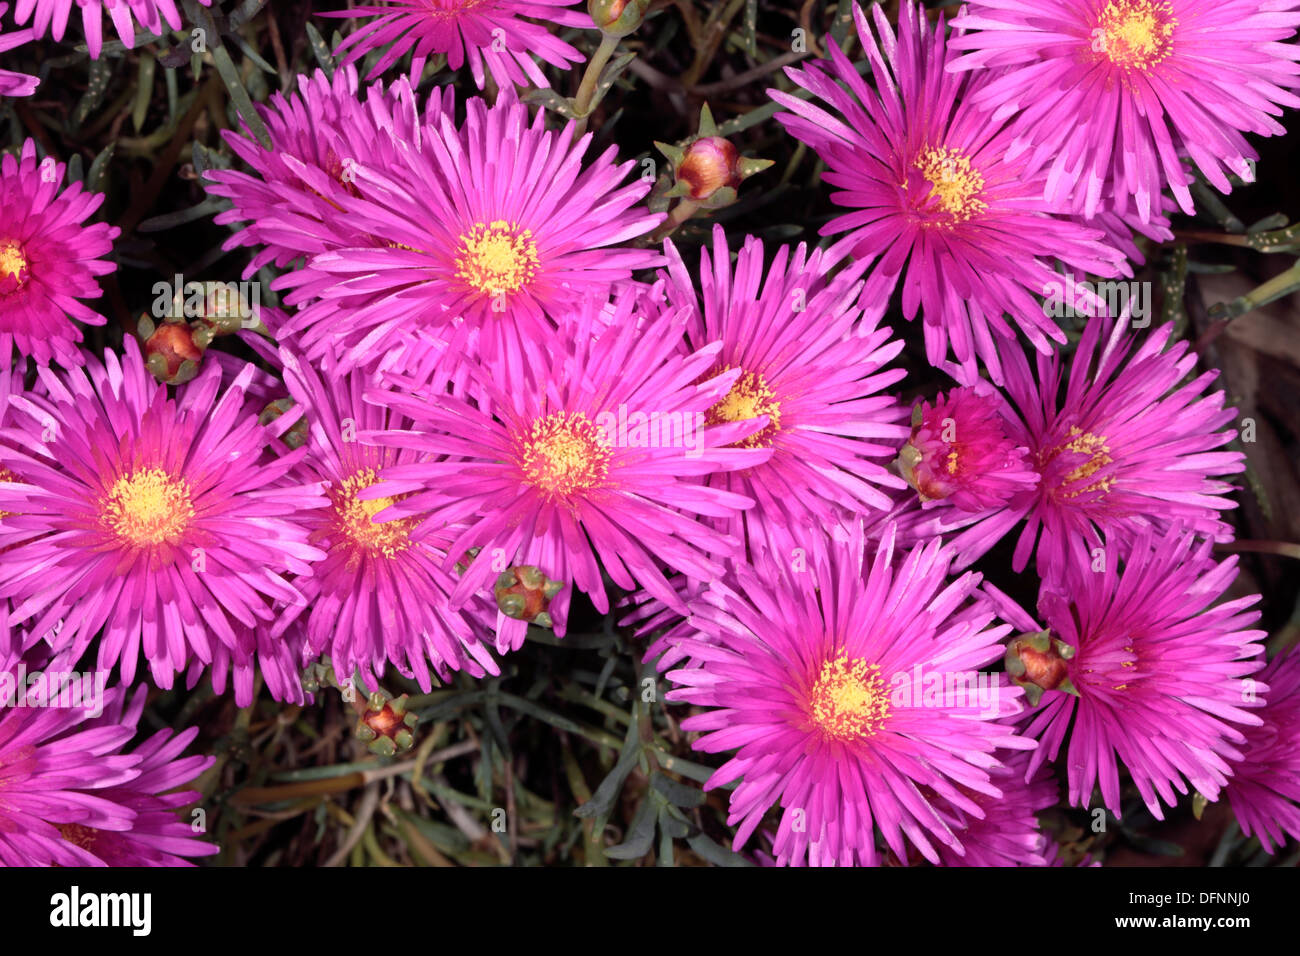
749 398
955 185
1136 34
564 453
356 518
1095 446
12 261
149 508
497 258
848 700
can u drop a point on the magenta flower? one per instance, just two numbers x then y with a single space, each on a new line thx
319 135
938 202
1130 445
1008 833
1265 787
960 452
381 592
1160 672
52 16
72 794
817 680
465 254
48 260
1123 90
491 33
812 369
11 83
161 522
586 462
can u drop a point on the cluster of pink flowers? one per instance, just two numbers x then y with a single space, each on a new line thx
488 378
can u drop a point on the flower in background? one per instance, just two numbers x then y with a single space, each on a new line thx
493 232
72 793
1265 787
11 83
320 134
816 680
960 452
380 594
587 463
48 259
1008 833
812 370
52 16
491 33
937 202
1115 93
1155 675
158 523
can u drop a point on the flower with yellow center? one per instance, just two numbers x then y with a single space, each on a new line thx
564 453
355 518
1136 34
848 700
13 263
955 185
148 508
497 258
749 398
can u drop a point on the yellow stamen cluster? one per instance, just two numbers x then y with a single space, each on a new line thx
355 518
848 700
148 508
1086 443
749 398
954 183
12 260
564 453
497 257
1136 34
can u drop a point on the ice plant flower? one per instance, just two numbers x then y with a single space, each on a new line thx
73 794
495 230
320 135
380 594
937 201
1160 671
1008 833
11 83
496 34
160 522
1264 791
1130 444
52 16
48 259
803 675
812 371
1123 90
960 452
591 460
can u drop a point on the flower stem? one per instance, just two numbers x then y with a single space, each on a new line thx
587 89
681 212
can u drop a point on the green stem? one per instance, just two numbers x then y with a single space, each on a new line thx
587 89
681 212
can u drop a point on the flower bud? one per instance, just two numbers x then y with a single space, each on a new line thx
617 18
171 350
1038 662
524 593
386 725
708 170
